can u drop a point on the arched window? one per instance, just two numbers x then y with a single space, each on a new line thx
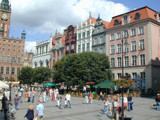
137 16
41 63
116 22
35 64
47 62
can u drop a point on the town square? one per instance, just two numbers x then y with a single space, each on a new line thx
79 60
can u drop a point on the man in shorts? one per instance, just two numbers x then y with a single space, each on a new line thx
39 110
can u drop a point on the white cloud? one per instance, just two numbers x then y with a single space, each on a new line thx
46 16
30 46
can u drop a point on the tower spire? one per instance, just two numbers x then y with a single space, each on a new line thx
90 14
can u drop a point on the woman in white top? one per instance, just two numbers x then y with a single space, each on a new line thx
106 103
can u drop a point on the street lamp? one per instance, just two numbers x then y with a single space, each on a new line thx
124 37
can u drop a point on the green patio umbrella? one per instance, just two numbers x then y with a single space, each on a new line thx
104 84
49 84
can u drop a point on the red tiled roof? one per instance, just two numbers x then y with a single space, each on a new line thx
105 23
145 13
93 20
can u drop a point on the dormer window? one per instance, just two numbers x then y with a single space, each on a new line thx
137 16
116 22
125 19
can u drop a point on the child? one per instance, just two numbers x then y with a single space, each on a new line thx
30 113
65 103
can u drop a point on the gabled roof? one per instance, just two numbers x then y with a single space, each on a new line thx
105 23
57 36
145 12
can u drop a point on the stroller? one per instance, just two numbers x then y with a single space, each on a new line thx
12 113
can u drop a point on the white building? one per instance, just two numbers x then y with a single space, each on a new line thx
84 35
41 56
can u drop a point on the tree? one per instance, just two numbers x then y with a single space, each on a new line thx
25 75
41 74
77 69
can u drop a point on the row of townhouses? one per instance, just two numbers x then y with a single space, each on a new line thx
136 32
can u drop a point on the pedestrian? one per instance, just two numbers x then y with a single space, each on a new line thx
44 96
30 113
125 101
90 97
86 97
29 96
53 95
56 93
39 110
16 99
100 96
26 96
65 103
68 97
106 107
50 92
20 96
33 95
115 106
130 102
41 97
5 106
109 104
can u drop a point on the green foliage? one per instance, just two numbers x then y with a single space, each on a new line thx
77 69
41 74
25 75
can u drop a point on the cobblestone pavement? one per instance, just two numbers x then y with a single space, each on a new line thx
142 110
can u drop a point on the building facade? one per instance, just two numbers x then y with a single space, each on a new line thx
58 48
28 57
41 57
99 40
140 31
84 35
11 49
70 40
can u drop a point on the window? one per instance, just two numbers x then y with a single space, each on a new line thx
67 47
112 37
13 59
119 61
95 41
18 69
126 49
19 60
125 20
2 58
88 46
142 57
83 35
70 36
125 33
116 22
6 78
142 75
133 45
134 76
79 48
112 62
126 58
88 33
37 51
101 39
143 79
13 70
112 49
7 70
83 47
95 50
141 30
137 16
8 49
101 50
119 48
133 32
46 48
2 70
134 60
141 42
72 46
119 75
119 35
79 36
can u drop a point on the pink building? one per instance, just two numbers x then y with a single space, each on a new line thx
141 28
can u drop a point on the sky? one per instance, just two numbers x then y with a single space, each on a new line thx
40 18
